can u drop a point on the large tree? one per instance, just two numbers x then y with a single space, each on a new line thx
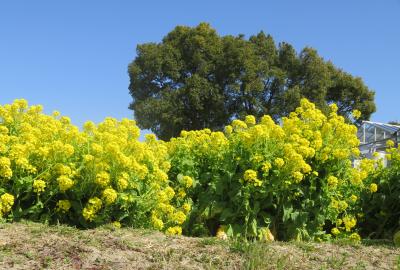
195 79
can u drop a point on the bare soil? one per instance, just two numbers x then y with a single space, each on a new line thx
27 245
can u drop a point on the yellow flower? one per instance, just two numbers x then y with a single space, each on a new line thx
95 203
186 207
88 158
333 107
389 144
39 186
161 176
250 120
298 176
335 231
93 206
355 151
356 114
179 217
228 129
63 205
250 175
238 124
187 181
165 166
7 201
64 183
279 162
157 223
109 195
103 179
355 237
353 198
332 181
174 230
5 162
373 188
221 234
5 167
169 191
343 205
181 194
349 223
162 196
122 182
117 224
339 222
150 137
266 167
88 213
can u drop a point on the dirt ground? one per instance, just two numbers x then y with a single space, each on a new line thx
36 246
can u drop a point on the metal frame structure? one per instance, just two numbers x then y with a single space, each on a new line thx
373 137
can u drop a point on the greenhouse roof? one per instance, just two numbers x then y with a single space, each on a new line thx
373 136
386 127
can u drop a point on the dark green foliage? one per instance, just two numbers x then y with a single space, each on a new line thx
382 209
195 79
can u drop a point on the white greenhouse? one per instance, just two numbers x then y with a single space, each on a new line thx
373 137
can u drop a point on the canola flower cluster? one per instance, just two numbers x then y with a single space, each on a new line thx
257 179
102 174
381 202
295 178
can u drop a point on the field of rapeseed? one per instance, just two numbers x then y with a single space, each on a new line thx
256 179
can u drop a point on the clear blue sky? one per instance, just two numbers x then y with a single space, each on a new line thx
73 55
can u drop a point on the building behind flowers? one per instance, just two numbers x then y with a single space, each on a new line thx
374 139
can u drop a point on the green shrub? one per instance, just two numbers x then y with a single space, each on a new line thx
295 179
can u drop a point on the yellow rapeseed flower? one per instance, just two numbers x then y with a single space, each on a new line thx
373 188
187 181
355 237
63 205
279 162
7 201
389 143
109 195
186 207
103 179
298 176
116 224
64 183
179 217
174 230
332 181
335 231
39 186
356 114
353 198
250 120
221 234
349 223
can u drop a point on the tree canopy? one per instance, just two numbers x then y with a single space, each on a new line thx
195 79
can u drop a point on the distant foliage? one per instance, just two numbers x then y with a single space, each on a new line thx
195 79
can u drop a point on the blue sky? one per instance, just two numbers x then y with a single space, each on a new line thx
72 56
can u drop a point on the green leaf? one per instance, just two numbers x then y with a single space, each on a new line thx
286 213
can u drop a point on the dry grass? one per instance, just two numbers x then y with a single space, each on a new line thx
37 246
